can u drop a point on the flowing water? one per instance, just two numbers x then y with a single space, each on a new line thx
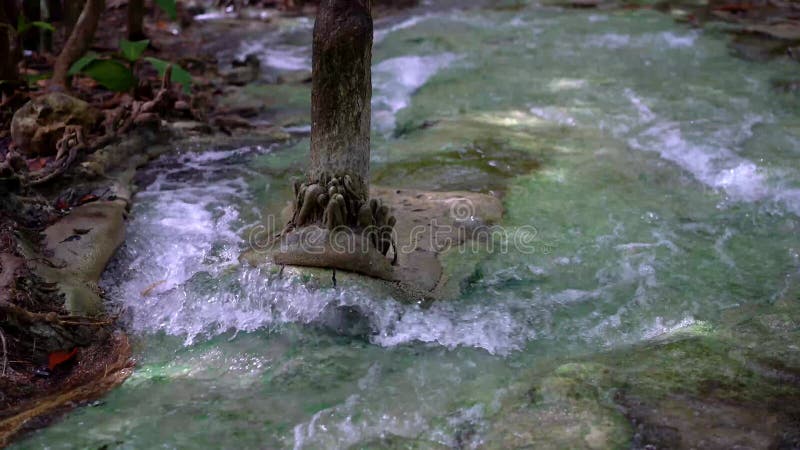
660 175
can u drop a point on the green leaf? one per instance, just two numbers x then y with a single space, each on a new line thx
43 25
84 61
179 74
111 74
170 7
22 24
132 51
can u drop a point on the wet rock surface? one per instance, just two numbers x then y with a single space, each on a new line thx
429 224
687 391
567 409
83 243
706 399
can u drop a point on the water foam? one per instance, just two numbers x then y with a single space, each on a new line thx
382 33
278 57
183 224
710 161
395 80
668 39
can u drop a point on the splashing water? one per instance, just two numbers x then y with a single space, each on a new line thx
395 81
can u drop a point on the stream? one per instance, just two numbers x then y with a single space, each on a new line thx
661 176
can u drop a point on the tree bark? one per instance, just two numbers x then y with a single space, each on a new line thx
72 10
78 42
136 20
341 91
336 191
332 210
8 60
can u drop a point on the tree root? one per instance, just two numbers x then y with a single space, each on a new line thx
68 146
128 115
335 203
13 311
5 352
137 112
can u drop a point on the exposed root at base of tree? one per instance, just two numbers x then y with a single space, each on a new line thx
75 139
335 202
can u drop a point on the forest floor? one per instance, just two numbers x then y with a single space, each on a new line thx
63 208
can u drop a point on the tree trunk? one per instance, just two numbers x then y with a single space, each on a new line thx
332 211
78 42
341 91
8 60
136 20
336 190
72 10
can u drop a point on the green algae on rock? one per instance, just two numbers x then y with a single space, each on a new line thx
688 388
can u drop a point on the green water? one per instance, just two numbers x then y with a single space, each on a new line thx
661 291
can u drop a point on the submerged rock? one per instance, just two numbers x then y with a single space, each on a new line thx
394 442
712 402
570 408
243 71
688 390
346 320
320 371
37 126
294 77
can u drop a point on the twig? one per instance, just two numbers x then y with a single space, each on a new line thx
16 311
5 352
49 263
89 324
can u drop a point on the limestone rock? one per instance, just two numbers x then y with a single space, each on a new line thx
434 235
567 409
37 126
239 76
80 245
